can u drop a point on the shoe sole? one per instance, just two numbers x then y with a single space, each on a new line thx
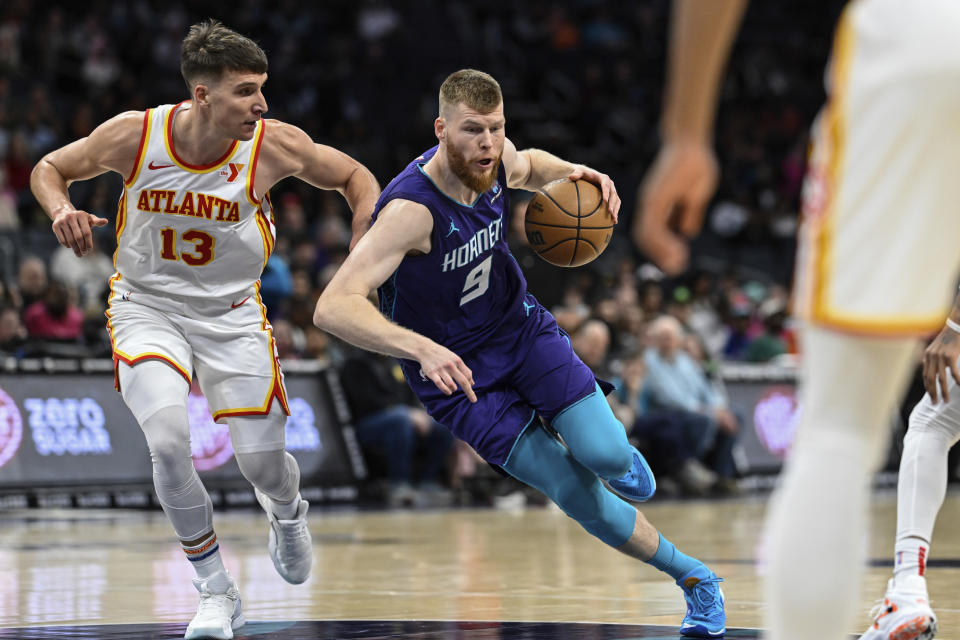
699 632
236 622
923 627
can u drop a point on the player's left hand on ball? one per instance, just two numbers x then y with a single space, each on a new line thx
606 185
940 361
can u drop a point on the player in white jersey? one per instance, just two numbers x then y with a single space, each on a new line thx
194 229
874 271
904 613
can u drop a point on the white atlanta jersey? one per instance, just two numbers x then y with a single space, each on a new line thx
878 246
192 231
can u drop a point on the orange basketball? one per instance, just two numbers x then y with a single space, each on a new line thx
567 223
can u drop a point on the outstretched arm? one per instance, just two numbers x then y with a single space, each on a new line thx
344 309
531 169
940 358
683 176
289 151
110 147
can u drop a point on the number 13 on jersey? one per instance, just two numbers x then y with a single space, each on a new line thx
202 250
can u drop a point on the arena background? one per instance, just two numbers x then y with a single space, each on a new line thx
582 79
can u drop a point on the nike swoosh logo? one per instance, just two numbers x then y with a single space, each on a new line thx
158 166
237 304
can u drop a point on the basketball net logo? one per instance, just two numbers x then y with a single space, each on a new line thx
209 442
232 171
11 428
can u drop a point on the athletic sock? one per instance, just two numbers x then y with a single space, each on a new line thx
673 562
910 557
205 556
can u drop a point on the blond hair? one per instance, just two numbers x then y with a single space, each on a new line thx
476 89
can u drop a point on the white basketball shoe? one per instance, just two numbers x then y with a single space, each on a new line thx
291 547
904 613
219 613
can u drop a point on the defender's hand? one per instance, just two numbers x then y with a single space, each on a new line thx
606 185
73 229
939 358
447 371
672 199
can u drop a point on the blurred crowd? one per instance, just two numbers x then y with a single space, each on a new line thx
581 78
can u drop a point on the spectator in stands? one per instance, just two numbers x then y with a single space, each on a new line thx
669 438
9 218
400 439
289 340
676 380
12 332
89 274
770 343
650 295
740 321
31 280
54 316
592 342
276 285
573 311
317 344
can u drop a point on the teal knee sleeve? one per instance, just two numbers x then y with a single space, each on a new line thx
540 461
615 519
595 436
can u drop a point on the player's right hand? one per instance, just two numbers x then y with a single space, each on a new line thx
939 359
671 202
446 370
73 229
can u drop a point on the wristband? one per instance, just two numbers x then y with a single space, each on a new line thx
953 325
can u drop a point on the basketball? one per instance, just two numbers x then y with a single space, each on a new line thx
567 223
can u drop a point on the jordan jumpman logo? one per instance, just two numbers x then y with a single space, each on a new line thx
453 228
527 307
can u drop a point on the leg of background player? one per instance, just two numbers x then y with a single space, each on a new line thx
817 519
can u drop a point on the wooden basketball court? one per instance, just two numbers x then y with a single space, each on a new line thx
467 574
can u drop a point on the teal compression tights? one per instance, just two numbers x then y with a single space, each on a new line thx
570 476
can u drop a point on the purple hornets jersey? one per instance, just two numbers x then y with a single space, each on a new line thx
469 285
469 295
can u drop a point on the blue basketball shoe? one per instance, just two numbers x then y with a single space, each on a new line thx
637 484
705 615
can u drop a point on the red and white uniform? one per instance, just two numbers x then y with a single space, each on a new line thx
192 242
878 246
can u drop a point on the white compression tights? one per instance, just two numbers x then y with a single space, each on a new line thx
258 446
156 394
922 485
817 519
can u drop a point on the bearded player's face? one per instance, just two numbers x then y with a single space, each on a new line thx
474 143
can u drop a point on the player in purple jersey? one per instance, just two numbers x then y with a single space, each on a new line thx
479 351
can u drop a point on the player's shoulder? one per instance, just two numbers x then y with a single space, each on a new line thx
404 205
283 135
119 136
124 123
